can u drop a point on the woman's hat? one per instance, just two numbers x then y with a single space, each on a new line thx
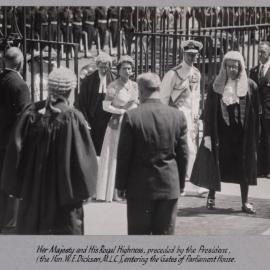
191 46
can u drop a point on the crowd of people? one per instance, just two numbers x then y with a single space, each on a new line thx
72 23
128 140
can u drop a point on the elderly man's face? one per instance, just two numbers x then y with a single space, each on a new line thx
264 53
103 68
232 68
190 58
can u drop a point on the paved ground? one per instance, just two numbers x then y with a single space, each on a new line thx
193 217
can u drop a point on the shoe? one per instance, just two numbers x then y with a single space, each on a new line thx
210 204
267 176
248 208
182 193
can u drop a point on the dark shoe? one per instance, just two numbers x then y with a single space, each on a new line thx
210 204
248 208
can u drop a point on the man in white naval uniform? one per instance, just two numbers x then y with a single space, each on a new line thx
180 88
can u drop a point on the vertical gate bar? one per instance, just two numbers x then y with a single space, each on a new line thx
221 52
210 69
227 40
146 51
136 55
41 71
141 49
215 55
238 36
153 43
253 47
24 44
175 38
167 45
162 46
32 44
76 70
203 73
248 50
58 38
243 43
187 24
67 40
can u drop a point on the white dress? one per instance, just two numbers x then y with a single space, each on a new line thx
119 98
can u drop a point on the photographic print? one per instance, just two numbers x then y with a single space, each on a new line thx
135 135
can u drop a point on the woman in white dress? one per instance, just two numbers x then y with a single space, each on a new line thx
121 95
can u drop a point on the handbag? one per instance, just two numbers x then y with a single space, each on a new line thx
205 172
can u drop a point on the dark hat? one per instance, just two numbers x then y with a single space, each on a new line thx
191 46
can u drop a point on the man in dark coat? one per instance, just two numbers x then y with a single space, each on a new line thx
228 151
51 162
92 93
261 75
152 160
14 95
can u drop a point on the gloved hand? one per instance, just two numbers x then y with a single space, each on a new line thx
207 143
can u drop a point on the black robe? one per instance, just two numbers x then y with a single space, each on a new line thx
90 104
207 171
51 165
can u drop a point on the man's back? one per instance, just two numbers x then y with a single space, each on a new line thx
14 95
152 152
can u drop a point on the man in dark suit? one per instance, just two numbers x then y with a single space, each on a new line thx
152 160
14 95
261 75
92 93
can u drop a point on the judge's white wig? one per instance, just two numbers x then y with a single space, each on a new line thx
222 77
103 58
61 80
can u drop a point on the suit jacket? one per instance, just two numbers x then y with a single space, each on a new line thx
14 95
264 89
152 152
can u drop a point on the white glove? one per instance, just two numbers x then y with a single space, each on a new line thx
207 143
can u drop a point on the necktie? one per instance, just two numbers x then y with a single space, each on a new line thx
261 72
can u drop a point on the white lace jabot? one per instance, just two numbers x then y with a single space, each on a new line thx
229 95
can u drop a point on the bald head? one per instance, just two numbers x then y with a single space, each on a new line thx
14 58
149 86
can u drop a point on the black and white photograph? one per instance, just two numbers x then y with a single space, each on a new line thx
123 121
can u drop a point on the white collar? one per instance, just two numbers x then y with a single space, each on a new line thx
102 84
